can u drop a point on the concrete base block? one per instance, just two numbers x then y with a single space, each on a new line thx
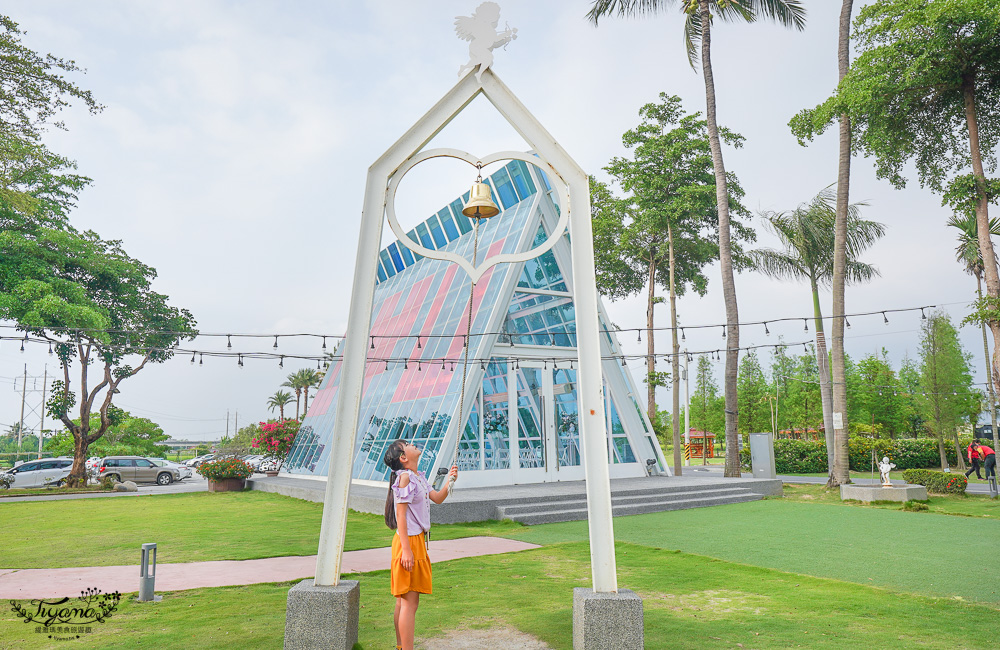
605 621
869 493
322 617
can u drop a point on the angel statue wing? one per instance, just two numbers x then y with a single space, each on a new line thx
465 27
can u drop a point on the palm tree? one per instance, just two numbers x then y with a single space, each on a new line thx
294 382
698 32
968 253
310 379
841 471
279 400
807 234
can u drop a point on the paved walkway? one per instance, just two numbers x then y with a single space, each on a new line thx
25 584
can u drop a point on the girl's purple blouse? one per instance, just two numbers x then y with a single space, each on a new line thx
416 495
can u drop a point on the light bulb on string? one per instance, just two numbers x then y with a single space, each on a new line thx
324 343
723 331
229 342
275 342
201 359
766 331
805 324
418 343
884 318
192 358
50 349
387 365
848 322
923 316
373 342
639 331
281 361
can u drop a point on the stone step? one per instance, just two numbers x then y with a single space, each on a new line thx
552 513
619 499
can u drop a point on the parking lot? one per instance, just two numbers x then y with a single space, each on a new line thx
196 483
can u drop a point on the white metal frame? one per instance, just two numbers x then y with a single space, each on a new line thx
562 169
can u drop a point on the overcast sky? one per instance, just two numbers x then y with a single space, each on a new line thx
232 153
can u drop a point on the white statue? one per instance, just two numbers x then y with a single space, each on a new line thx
480 29
883 469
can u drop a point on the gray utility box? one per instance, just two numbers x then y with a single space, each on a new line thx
762 455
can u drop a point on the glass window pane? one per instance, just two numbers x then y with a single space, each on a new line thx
450 228
463 221
387 263
436 232
425 237
396 259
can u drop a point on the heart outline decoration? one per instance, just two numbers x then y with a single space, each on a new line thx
474 273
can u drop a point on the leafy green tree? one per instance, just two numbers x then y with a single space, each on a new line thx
241 443
926 89
807 238
947 400
279 400
909 390
301 381
755 411
879 400
707 405
127 436
95 305
697 35
33 90
670 217
310 379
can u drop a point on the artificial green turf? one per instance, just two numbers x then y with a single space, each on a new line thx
908 551
192 527
689 602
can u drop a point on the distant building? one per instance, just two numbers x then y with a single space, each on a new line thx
188 444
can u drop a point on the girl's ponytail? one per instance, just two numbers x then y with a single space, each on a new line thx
391 459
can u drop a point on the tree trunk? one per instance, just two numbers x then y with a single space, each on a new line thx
825 390
650 345
725 250
958 450
944 457
983 222
989 384
305 401
841 465
298 397
675 367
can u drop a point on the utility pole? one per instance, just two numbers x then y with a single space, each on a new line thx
227 423
41 427
20 426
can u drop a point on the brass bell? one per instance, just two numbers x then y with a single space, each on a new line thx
480 203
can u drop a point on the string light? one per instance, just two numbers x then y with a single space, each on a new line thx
766 331
229 342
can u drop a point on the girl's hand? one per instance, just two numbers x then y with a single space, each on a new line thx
407 559
454 472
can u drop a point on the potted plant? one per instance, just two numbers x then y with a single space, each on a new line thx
225 474
276 440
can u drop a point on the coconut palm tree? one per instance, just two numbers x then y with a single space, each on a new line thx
968 254
807 234
279 401
698 37
310 379
294 382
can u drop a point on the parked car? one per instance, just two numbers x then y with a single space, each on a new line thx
253 461
195 462
269 464
138 470
185 471
93 463
39 473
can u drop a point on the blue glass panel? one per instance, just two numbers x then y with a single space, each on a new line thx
396 259
425 237
463 221
436 232
545 179
505 189
518 170
450 228
619 441
496 434
542 320
415 237
407 255
382 277
542 272
387 263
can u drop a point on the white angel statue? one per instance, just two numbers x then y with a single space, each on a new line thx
480 29
883 469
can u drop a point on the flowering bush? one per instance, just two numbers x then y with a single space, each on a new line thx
276 438
223 468
937 482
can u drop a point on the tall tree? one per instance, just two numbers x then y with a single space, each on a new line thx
707 406
807 236
909 390
698 36
279 400
310 379
967 254
879 400
946 398
753 390
926 88
670 219
93 304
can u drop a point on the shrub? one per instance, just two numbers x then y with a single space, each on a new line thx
915 506
223 468
937 482
107 483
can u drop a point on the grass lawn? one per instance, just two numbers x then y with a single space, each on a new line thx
187 527
689 602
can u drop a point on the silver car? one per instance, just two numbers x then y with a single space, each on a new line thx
40 473
184 470
137 469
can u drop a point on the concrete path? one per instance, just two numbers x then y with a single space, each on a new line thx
25 584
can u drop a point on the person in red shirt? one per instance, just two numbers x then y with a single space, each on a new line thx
989 460
974 459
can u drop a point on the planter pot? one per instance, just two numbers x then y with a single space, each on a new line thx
271 473
227 485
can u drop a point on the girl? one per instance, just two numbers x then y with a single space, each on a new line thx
408 510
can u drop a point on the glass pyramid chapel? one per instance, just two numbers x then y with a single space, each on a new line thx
520 391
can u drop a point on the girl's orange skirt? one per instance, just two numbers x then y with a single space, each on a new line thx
419 579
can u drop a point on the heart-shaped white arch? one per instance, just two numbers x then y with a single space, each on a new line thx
475 273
